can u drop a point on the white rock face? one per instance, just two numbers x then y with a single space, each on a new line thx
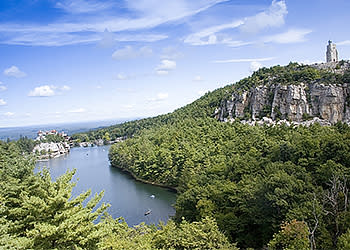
51 149
327 100
295 103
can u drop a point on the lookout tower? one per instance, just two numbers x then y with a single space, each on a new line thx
332 53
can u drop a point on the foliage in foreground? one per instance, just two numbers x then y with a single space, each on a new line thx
38 213
251 179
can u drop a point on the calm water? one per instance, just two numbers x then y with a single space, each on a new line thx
128 198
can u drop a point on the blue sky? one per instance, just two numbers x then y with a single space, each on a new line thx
84 60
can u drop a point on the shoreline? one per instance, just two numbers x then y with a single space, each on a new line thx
170 188
173 189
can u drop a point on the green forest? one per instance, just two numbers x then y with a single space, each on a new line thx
266 186
251 179
239 186
38 213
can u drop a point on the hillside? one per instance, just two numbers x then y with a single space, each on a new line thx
262 184
203 107
295 92
249 178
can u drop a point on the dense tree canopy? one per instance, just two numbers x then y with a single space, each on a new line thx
38 213
251 179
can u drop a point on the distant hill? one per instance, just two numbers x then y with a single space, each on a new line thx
14 133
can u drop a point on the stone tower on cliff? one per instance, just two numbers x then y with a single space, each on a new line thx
332 53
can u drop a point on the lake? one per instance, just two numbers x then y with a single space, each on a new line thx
128 198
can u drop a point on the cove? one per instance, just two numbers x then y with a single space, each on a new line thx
129 198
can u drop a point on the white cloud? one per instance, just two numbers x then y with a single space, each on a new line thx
129 52
245 60
159 97
207 36
3 88
2 102
9 114
65 88
43 91
144 15
82 6
165 66
197 79
162 72
47 90
40 38
344 43
254 66
1 83
170 10
272 17
79 110
14 71
140 37
290 36
171 53
125 53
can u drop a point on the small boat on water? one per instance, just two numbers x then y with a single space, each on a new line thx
153 196
148 212
43 160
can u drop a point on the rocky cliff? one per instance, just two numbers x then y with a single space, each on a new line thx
47 150
294 92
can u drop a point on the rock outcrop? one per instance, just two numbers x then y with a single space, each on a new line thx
47 150
295 101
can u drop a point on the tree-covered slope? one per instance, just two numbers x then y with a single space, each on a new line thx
203 107
38 213
259 183
251 179
213 104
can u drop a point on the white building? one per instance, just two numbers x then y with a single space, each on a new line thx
332 53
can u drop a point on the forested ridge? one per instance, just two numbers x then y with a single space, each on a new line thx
205 106
266 186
